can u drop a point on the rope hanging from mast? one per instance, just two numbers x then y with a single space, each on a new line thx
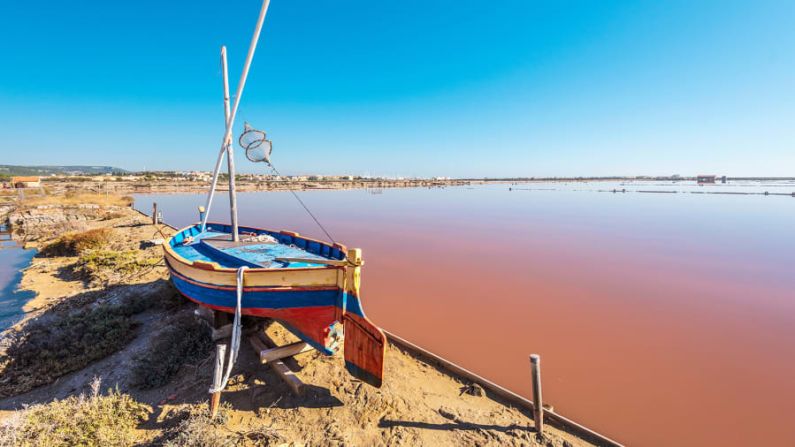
306 208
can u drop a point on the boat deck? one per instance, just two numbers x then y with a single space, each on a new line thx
220 248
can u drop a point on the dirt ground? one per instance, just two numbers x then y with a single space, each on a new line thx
418 404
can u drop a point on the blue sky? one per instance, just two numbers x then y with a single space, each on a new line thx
454 88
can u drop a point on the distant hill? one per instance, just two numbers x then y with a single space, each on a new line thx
9 170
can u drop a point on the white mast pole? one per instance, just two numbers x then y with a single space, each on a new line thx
217 169
231 120
230 152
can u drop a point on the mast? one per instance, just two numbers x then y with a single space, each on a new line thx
226 141
230 151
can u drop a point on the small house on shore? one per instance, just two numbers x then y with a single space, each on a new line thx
706 178
26 182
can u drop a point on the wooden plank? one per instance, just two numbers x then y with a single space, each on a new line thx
256 343
287 375
280 352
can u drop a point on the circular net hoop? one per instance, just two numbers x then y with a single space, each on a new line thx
258 148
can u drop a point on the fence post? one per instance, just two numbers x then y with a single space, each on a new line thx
154 213
538 406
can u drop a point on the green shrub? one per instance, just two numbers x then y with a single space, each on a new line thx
106 265
95 420
187 340
74 244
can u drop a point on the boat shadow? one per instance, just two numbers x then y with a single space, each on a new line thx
264 397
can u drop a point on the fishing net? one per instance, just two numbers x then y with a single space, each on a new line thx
257 147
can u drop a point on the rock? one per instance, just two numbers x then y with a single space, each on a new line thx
44 221
475 389
447 414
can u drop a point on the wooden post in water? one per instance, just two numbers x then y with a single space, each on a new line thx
154 213
215 399
538 408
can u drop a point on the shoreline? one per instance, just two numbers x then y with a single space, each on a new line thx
160 186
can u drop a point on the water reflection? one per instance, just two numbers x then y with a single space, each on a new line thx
13 259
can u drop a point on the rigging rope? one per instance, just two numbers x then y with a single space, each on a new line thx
306 208
236 330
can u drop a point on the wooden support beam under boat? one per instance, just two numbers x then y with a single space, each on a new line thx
222 332
280 352
285 373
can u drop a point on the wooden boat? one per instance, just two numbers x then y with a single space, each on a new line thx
310 286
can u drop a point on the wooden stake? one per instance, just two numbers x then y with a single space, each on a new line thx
538 408
154 213
215 400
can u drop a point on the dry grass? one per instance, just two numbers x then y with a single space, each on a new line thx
93 420
78 199
75 244
197 429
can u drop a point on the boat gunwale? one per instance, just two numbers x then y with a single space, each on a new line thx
216 267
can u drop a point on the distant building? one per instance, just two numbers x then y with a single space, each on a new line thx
723 179
26 182
706 178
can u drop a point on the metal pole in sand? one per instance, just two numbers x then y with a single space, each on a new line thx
215 399
538 408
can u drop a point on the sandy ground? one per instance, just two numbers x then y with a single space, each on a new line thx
417 405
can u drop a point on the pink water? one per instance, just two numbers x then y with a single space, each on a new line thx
661 319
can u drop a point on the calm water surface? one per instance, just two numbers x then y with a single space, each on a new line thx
12 260
662 319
